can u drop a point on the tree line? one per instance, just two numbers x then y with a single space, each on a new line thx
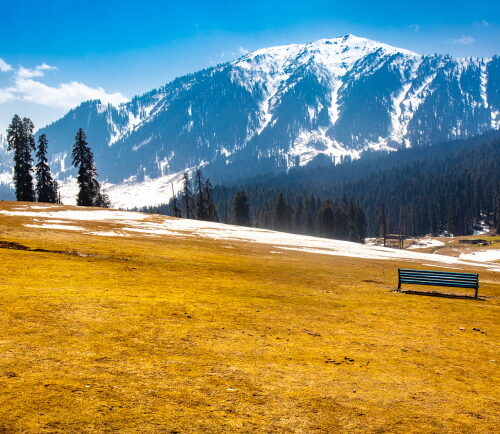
21 142
277 210
450 187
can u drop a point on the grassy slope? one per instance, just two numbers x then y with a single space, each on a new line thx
190 335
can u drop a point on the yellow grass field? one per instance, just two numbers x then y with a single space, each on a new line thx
168 334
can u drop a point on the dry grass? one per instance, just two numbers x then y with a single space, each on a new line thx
191 335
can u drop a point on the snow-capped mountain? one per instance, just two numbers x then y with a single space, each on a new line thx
279 107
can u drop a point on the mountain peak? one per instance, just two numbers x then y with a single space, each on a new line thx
342 49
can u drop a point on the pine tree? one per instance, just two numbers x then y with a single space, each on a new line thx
382 222
176 212
21 141
46 187
297 217
326 221
497 215
211 210
200 208
89 193
280 213
102 199
186 190
241 209
360 221
308 218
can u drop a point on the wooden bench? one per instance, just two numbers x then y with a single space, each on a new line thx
439 278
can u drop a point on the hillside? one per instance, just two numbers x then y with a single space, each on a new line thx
450 186
278 108
123 321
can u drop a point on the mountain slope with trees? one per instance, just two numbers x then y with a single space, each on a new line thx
280 107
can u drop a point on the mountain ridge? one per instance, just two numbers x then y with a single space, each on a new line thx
281 107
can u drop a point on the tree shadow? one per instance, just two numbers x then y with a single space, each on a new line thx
439 294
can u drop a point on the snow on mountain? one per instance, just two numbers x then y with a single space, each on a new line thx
130 193
279 107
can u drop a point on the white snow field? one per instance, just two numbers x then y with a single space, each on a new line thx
129 223
482 255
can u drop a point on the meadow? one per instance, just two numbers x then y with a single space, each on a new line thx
163 333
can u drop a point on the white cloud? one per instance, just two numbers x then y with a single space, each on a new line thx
37 71
4 66
27 73
45 67
464 40
485 23
243 51
415 27
65 95
5 96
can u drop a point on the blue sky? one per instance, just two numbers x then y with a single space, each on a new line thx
55 53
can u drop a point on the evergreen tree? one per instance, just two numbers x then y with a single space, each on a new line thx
46 187
241 209
200 207
280 213
89 193
176 212
308 219
211 210
360 221
298 215
21 141
187 195
382 222
326 221
102 199
497 215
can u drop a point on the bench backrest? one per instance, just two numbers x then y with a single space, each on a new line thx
439 278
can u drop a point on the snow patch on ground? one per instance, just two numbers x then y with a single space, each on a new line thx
108 234
425 243
65 227
155 225
84 215
482 256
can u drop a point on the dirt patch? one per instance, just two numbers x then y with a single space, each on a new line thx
11 245
17 246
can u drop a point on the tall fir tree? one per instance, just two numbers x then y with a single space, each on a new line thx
21 141
176 212
326 220
281 213
382 220
46 186
187 196
89 193
497 215
241 209
297 216
210 207
200 202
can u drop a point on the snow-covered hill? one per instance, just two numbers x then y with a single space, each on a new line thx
115 223
279 107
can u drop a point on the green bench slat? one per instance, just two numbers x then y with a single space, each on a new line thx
444 279
441 276
438 283
437 272
438 278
